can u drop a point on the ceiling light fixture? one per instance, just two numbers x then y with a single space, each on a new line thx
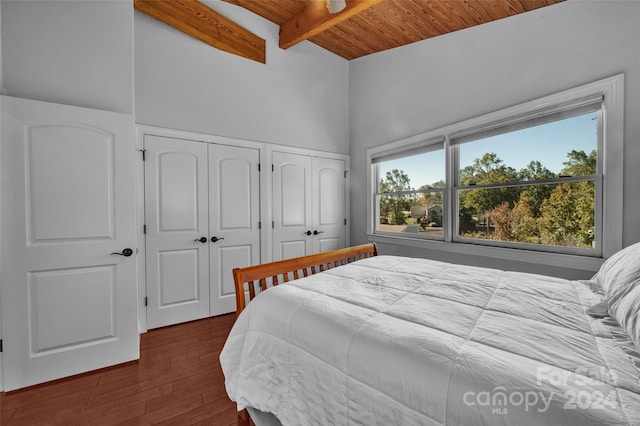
336 6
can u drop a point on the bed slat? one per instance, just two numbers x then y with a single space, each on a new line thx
314 263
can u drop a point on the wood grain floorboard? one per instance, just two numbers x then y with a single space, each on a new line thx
177 381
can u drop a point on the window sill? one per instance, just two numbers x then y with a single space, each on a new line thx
584 263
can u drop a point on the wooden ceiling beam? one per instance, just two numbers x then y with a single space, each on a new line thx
315 18
201 22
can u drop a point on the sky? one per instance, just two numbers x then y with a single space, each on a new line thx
548 143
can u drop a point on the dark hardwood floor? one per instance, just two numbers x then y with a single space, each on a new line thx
177 381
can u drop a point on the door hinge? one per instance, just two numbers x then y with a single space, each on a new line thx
273 224
345 174
1 347
273 168
259 225
146 301
345 220
144 229
144 156
258 166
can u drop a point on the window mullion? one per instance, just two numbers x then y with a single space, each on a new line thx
513 184
450 222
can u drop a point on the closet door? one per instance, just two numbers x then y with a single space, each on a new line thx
292 203
329 227
69 298
234 215
177 226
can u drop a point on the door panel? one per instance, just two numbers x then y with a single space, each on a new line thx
58 298
68 203
176 211
290 249
65 205
178 266
294 182
328 204
234 206
328 244
178 191
291 205
230 258
234 180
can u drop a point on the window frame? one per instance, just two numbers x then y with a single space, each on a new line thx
609 208
430 145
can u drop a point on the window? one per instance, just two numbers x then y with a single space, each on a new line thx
410 194
544 176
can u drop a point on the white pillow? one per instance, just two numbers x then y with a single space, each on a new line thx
626 310
619 272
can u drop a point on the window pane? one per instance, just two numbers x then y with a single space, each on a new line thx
551 214
422 171
565 147
416 213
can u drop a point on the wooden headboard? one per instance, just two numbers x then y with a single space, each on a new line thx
271 274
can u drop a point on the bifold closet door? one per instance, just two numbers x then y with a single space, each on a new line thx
329 210
68 248
177 230
292 214
234 217
309 205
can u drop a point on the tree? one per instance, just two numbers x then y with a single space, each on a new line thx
502 217
393 205
525 223
429 199
568 216
580 164
487 170
535 195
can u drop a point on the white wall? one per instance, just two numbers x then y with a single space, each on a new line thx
71 52
299 98
1 47
426 85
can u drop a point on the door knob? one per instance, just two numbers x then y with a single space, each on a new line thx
202 239
214 239
317 232
126 252
308 232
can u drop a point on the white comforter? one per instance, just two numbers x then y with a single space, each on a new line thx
401 341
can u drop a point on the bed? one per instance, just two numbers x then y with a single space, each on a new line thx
367 339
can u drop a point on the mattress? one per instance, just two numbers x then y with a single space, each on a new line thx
402 341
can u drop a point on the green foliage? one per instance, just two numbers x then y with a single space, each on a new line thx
568 215
396 218
429 199
554 214
580 164
486 170
393 205
535 195
525 224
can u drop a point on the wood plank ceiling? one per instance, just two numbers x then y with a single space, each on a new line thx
384 24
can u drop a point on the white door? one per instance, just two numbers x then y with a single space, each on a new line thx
329 227
292 203
177 230
234 215
69 299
